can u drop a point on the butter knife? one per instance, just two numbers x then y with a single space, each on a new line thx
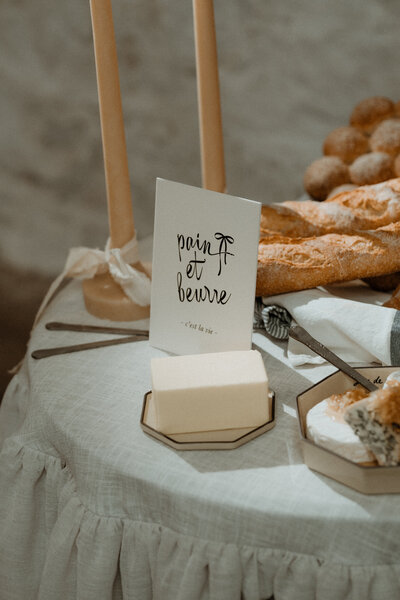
301 335
58 326
45 352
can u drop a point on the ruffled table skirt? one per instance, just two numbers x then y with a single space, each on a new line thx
80 554
91 508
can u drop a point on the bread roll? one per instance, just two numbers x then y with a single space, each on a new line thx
371 168
386 137
345 142
325 174
396 166
368 113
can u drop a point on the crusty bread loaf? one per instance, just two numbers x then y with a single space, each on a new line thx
384 283
394 300
355 234
363 208
288 264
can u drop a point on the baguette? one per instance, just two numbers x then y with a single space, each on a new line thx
394 300
361 209
287 264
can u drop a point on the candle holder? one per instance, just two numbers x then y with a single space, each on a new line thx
105 299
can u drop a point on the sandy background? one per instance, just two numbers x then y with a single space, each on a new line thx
289 72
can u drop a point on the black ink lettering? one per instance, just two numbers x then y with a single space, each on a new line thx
204 247
203 294
223 248
192 270
181 292
181 244
223 252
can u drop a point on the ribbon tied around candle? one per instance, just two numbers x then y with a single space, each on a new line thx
85 263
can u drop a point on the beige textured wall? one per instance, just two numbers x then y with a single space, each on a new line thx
290 72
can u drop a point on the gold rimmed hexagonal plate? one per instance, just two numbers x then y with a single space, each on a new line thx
224 439
365 478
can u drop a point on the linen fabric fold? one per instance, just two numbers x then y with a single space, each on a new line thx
81 554
91 507
347 318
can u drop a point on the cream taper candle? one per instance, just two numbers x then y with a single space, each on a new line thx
120 212
211 138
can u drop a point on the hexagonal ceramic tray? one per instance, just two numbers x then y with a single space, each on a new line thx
225 439
368 479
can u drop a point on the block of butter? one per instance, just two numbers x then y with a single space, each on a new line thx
208 392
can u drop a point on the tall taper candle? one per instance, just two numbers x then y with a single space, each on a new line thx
120 212
211 138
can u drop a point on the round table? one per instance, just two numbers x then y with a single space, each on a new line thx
93 508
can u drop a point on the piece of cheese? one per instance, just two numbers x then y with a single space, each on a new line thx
334 434
393 377
375 421
208 392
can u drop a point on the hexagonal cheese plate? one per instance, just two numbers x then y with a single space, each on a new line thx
367 479
225 439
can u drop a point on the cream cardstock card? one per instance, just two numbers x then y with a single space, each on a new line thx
204 270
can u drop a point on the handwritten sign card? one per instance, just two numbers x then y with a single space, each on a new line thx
204 270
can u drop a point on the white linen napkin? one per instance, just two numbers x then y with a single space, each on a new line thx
347 318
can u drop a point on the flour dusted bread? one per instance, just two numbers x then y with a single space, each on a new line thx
363 208
368 113
289 264
345 142
396 166
386 137
341 188
323 175
372 168
368 148
355 234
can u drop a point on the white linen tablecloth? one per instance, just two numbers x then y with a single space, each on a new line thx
92 508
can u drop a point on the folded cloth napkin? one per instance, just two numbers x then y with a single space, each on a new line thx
347 318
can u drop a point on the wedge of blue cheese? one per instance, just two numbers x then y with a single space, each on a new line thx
376 421
209 392
328 429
